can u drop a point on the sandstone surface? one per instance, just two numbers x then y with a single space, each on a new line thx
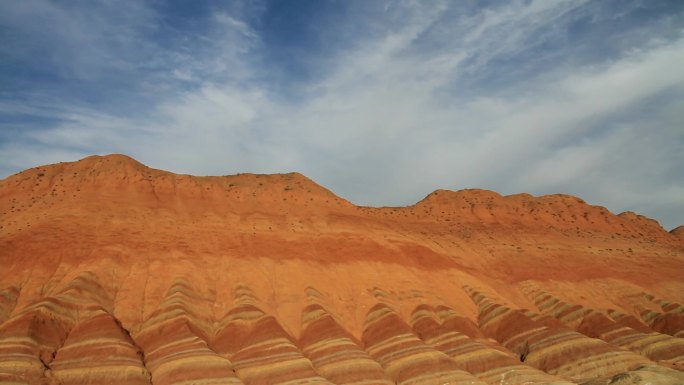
112 272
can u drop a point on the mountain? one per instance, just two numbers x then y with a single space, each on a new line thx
114 272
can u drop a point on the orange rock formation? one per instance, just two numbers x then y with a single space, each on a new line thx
115 273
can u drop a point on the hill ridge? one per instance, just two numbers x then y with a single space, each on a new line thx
113 163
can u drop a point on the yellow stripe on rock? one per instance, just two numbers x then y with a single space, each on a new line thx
201 361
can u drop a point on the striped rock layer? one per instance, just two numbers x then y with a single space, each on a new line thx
449 334
112 272
669 321
63 327
551 348
98 350
71 337
623 330
174 339
335 353
261 351
404 356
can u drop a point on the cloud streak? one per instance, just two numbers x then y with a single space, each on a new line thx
415 97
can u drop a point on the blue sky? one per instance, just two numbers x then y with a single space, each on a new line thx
380 101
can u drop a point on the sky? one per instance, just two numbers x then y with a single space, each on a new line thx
380 101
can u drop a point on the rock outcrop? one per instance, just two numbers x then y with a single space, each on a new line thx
114 272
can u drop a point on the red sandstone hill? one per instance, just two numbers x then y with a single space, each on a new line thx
113 272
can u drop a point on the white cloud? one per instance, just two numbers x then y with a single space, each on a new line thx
391 120
74 41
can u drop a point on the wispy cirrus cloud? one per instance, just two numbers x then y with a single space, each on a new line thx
381 102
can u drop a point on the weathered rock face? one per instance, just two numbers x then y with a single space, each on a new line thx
113 272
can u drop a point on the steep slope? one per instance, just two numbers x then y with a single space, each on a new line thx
212 278
678 232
